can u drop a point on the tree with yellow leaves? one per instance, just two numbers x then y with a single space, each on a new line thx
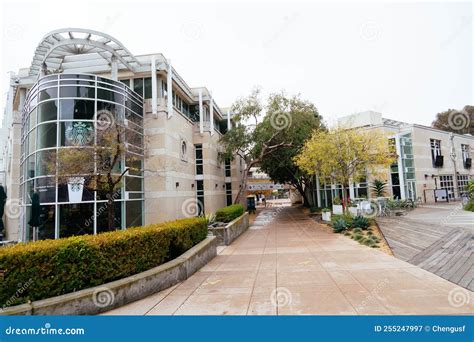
345 155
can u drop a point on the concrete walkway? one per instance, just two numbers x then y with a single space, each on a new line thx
285 264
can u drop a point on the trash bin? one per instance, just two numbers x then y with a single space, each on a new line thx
251 204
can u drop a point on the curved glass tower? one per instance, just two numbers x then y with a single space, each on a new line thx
69 111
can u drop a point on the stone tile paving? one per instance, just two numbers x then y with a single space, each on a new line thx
285 264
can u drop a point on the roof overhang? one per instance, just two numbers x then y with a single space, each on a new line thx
81 50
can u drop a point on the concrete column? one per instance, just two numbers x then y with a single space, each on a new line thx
154 88
229 123
114 68
318 191
211 114
201 113
170 89
351 190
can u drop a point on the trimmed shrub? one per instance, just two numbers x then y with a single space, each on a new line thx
346 217
469 206
360 222
339 226
229 213
49 268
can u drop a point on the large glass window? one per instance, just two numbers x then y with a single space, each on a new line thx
109 95
77 109
70 207
45 162
49 93
134 213
76 219
81 92
77 133
138 86
148 90
46 188
48 222
103 216
47 111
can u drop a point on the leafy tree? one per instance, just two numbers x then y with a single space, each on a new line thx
456 121
97 162
257 134
378 187
280 165
345 155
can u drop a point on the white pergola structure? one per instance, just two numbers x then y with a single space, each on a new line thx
75 50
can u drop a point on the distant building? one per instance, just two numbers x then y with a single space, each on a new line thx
428 159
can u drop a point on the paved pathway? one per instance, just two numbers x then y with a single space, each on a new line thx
437 238
285 264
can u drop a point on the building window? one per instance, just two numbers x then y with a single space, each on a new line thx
147 86
462 183
74 208
446 182
466 157
228 193
227 167
199 159
138 86
184 150
200 197
436 156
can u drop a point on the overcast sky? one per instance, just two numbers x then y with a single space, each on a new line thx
408 61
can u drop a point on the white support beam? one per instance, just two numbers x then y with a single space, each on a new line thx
211 114
228 120
201 113
114 68
170 89
154 88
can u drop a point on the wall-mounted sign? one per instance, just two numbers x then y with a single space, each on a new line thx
264 186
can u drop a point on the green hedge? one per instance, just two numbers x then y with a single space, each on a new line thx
229 213
50 268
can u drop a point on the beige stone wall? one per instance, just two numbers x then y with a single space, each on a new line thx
423 162
422 157
165 167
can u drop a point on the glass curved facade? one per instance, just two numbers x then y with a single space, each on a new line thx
64 111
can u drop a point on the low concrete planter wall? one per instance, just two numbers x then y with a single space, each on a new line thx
120 292
226 235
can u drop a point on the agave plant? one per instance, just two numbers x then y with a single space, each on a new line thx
378 187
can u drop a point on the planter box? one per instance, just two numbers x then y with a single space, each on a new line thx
226 235
353 211
337 209
108 296
326 216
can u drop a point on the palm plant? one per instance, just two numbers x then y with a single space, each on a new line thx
378 187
